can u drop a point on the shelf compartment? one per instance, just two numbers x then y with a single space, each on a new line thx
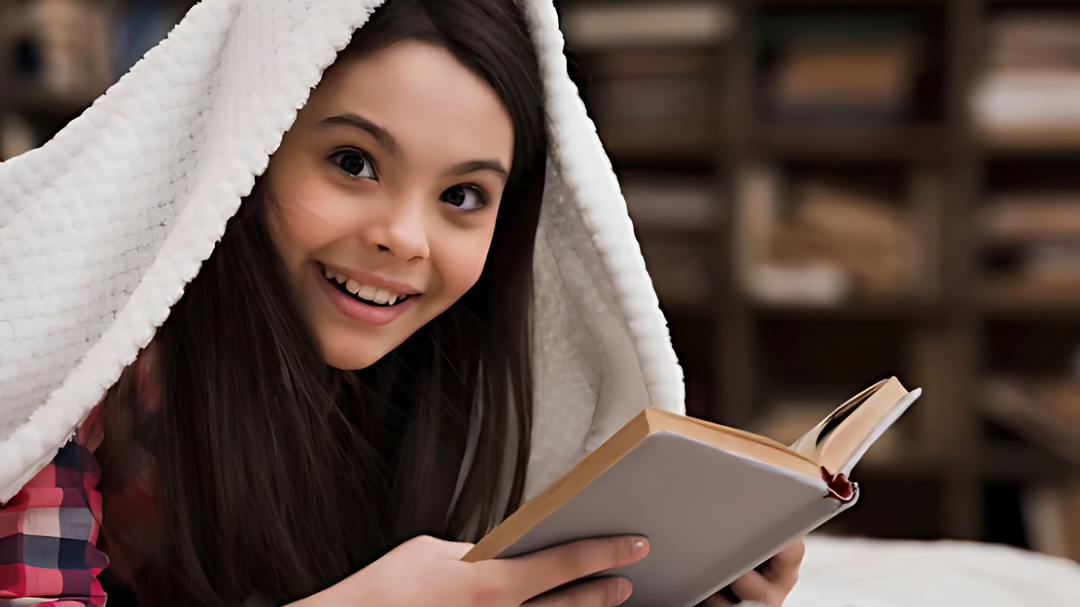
855 143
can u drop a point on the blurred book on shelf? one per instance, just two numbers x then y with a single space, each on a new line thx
842 85
1051 514
671 202
832 242
653 99
1031 217
853 68
652 70
1045 412
653 102
1031 242
1027 96
630 25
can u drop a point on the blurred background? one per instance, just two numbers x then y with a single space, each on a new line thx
827 193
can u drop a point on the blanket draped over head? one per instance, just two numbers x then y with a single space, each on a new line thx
103 227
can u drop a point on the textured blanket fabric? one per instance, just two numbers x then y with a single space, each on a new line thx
103 227
868 573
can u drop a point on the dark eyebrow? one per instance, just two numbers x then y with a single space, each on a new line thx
380 134
480 165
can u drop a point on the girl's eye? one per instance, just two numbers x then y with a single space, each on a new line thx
465 197
355 163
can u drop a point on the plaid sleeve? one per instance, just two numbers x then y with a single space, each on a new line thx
48 535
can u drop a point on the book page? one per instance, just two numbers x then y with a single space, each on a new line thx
842 439
807 445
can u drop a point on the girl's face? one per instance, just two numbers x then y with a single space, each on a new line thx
384 195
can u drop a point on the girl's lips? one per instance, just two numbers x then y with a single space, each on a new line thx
357 310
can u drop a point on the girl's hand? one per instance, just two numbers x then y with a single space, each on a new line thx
769 584
426 572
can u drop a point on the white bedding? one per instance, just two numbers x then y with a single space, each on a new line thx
874 573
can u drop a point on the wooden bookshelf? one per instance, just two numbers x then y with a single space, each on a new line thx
934 340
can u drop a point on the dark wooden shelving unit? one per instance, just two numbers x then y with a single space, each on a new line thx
936 338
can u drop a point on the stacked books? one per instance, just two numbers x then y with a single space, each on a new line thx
651 68
1032 240
848 68
828 242
1028 95
647 25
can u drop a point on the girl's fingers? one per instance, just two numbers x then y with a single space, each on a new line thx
770 583
753 586
548 569
783 569
792 554
599 593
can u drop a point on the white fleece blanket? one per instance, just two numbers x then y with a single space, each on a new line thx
123 206
869 573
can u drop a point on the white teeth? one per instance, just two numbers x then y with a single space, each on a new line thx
372 294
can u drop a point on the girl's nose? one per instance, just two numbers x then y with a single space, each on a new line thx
402 230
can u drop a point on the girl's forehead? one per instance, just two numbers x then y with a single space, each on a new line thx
412 95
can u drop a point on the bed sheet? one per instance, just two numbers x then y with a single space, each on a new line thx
878 573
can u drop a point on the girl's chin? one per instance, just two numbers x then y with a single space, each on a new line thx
345 356
351 362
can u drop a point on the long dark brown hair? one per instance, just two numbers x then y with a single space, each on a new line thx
275 474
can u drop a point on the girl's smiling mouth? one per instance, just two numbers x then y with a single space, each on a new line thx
365 293
366 303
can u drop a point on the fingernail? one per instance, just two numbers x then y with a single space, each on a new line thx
624 591
641 548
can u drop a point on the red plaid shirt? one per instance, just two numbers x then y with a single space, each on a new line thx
49 531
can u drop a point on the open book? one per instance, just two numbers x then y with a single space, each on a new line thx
714 502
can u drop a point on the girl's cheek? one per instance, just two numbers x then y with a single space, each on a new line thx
464 259
313 219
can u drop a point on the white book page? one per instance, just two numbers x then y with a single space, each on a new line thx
894 414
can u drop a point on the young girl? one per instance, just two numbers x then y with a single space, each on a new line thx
282 389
